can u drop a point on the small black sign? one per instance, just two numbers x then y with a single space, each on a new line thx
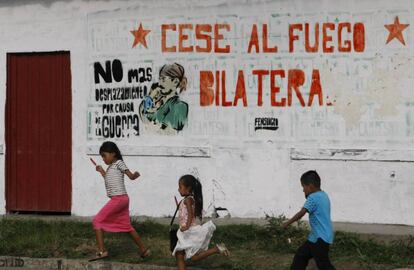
268 123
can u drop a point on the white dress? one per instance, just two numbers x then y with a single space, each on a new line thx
196 238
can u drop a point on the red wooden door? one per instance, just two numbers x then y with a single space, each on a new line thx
38 132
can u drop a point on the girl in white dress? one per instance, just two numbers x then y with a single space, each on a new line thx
193 238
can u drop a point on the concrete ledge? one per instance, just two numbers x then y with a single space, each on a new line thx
24 263
9 262
352 154
167 151
379 229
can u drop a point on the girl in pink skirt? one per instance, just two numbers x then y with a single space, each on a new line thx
193 237
114 216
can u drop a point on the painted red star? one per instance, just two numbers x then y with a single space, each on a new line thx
140 36
395 30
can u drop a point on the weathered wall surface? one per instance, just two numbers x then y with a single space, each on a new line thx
274 88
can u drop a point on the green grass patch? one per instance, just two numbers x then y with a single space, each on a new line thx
252 246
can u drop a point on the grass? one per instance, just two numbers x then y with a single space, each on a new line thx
253 247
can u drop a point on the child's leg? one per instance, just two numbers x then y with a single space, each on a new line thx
204 254
138 241
320 252
180 260
302 257
100 239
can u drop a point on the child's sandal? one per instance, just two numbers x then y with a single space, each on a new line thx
223 249
99 256
145 254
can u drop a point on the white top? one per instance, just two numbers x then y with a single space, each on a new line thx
114 179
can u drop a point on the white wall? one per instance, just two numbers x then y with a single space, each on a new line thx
249 172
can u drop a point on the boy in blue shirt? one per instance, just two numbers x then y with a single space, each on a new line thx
321 236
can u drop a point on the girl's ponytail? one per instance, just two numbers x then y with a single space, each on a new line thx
198 198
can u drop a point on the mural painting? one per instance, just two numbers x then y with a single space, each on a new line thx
238 76
162 107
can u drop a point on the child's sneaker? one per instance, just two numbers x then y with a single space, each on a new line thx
223 249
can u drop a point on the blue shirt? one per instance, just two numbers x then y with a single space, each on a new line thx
319 209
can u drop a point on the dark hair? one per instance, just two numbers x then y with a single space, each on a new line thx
175 71
311 177
190 181
110 147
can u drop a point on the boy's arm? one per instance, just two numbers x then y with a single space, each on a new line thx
131 175
296 217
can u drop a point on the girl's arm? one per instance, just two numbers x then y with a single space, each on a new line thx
296 217
101 170
131 175
189 203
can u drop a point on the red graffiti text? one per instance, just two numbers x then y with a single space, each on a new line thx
213 88
208 38
322 37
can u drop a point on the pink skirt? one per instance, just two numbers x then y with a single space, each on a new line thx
114 216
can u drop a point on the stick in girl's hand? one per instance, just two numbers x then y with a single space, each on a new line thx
176 201
93 161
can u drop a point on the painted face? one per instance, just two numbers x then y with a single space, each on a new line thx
108 158
307 189
184 191
168 85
